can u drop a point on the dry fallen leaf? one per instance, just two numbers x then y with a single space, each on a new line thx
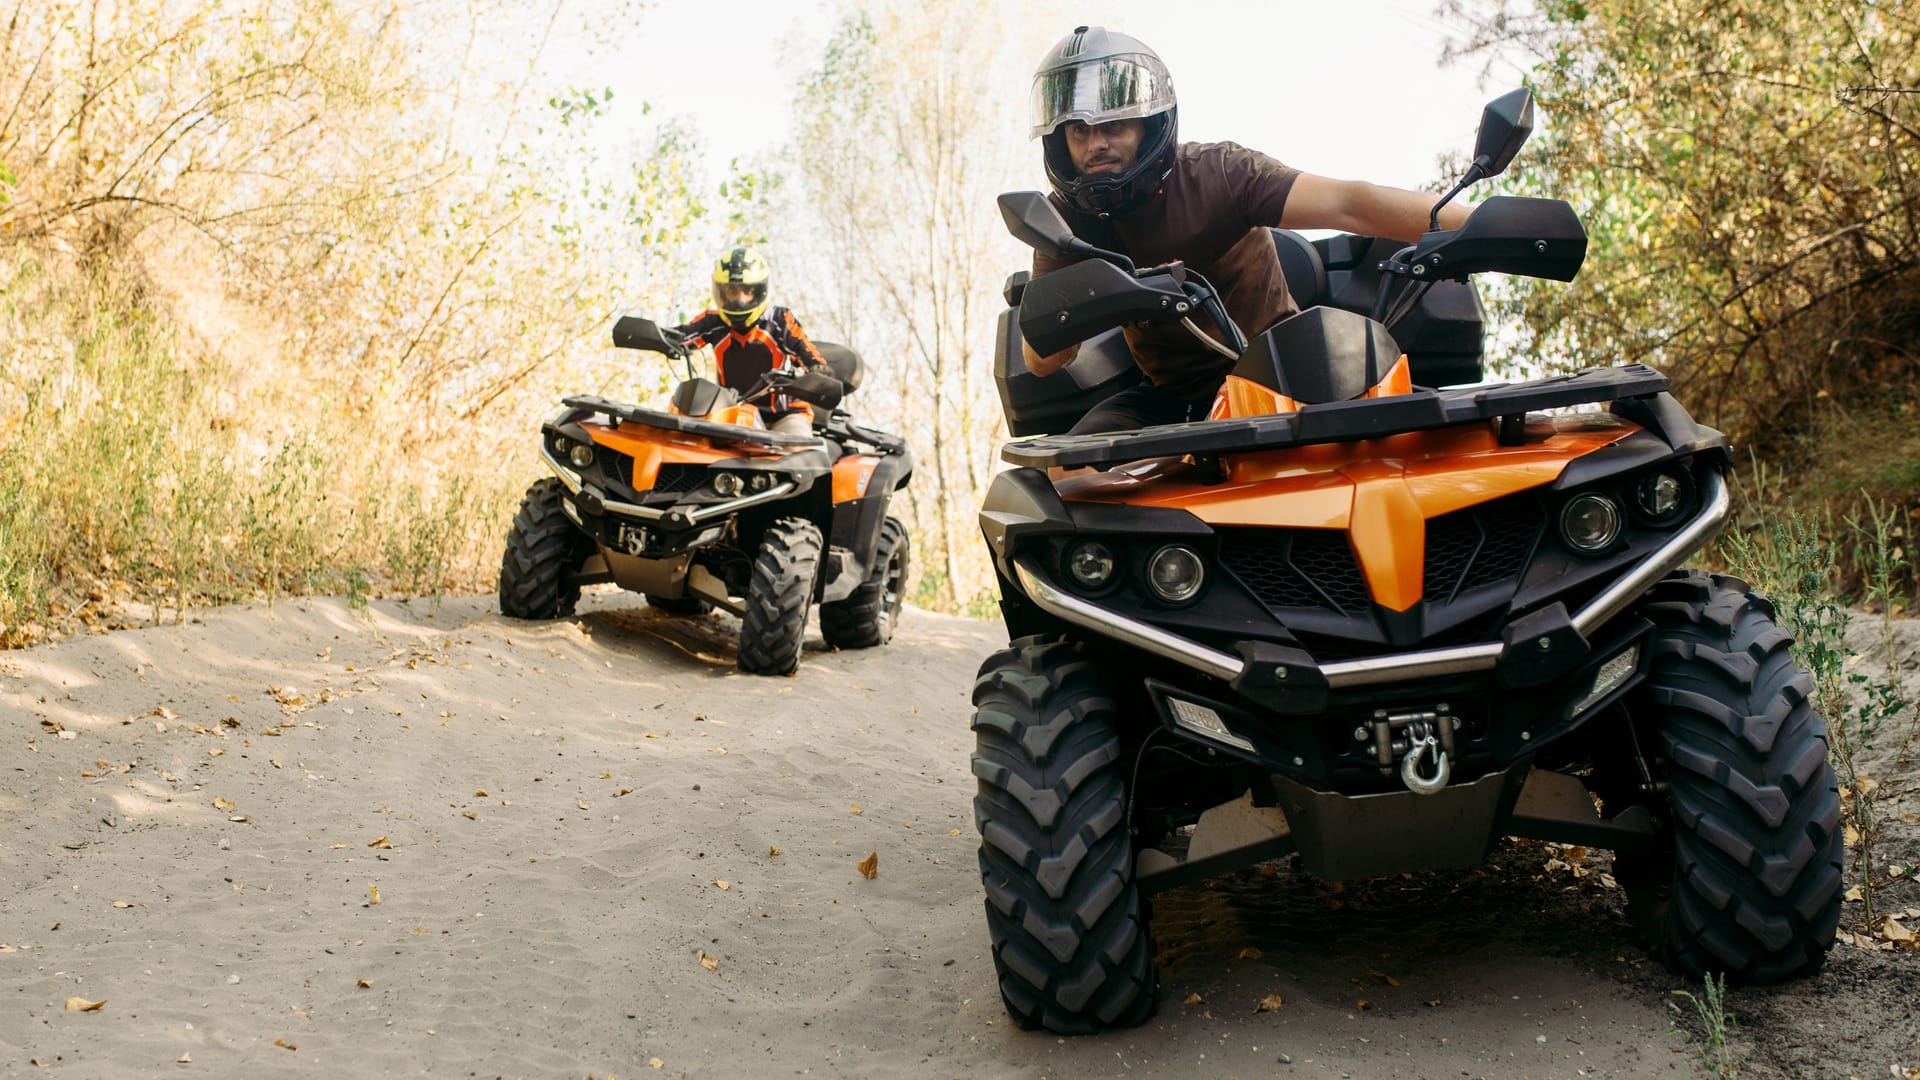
335 847
1433 1003
953 832
1270 1003
215 752
656 1063
373 896
855 809
1194 999
284 1044
773 852
184 1059
379 842
1891 930
80 1004
711 963
584 806
1383 978
1363 1005
723 886
1249 953
870 866
471 816
480 794
121 904
364 984
1852 896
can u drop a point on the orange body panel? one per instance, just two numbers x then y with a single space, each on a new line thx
851 474
650 447
1381 491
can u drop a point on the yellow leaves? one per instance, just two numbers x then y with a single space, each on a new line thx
214 751
773 853
583 805
870 866
723 886
1362 1005
711 963
656 1063
122 904
480 794
625 791
373 896
1383 978
335 847
80 1004
953 832
1249 953
855 809
1270 1003
471 816
222 804
284 1044
363 984
1194 999
380 842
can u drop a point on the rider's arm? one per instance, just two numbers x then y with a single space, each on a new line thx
705 329
1046 365
1365 209
794 342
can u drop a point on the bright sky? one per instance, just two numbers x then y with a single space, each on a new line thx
1349 89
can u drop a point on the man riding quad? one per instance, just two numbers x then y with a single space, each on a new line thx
751 338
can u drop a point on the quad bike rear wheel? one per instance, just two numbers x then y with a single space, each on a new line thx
1749 881
680 605
779 595
1069 928
543 547
866 617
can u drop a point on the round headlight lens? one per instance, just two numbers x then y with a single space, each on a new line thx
581 455
728 484
761 481
1590 523
1091 564
1660 495
1175 574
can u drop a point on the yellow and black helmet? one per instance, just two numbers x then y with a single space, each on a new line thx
740 287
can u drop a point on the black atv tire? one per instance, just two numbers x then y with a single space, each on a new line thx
1069 928
779 594
543 547
1749 884
680 605
866 617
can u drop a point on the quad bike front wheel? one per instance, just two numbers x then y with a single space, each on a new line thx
866 617
543 548
1748 882
1069 928
779 595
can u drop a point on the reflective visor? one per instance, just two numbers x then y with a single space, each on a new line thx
1101 91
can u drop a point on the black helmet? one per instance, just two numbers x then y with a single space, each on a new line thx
1098 77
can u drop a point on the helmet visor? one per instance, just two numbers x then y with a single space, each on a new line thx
737 298
1101 91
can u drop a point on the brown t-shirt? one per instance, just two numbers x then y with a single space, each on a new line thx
1213 215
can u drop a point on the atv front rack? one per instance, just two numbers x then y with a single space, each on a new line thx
692 425
1342 421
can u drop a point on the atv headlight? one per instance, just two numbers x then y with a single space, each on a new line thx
761 481
1175 574
1660 496
1590 523
728 484
1091 564
581 454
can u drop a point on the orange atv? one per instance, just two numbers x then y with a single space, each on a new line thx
701 506
1373 624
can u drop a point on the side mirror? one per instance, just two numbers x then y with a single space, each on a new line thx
1034 222
1504 126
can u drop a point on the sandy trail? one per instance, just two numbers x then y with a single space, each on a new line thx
196 819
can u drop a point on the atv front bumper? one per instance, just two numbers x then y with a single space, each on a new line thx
1263 671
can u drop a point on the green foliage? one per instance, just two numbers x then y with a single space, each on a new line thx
1749 173
1716 1024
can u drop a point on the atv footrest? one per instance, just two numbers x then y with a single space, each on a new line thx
1340 421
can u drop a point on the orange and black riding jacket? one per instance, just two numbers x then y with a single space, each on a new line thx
774 340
